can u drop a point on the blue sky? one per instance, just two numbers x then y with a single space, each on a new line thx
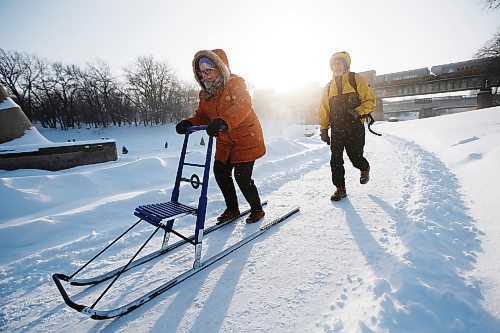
270 43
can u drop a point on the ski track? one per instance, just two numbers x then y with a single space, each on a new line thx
22 280
404 284
386 225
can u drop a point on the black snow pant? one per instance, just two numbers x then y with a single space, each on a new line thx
243 175
352 139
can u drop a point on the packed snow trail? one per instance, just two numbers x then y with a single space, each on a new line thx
405 241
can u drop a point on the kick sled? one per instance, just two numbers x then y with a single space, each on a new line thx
162 216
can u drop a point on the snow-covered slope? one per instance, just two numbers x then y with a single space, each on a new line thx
411 251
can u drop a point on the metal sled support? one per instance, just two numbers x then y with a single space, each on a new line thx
162 216
107 314
108 275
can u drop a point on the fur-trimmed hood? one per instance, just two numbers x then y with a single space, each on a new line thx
219 57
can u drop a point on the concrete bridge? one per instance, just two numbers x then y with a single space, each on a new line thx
436 84
428 107
482 75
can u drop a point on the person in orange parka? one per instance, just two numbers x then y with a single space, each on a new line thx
226 107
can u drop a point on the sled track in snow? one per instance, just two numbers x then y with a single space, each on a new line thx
436 227
274 174
430 219
421 253
69 254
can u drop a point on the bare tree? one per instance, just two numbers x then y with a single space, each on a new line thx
149 83
11 71
45 98
103 86
20 73
66 86
491 48
187 101
493 4
58 95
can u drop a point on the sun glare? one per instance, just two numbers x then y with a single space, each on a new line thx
288 50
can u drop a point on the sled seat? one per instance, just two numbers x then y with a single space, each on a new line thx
155 213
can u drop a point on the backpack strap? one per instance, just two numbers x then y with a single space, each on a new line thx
352 81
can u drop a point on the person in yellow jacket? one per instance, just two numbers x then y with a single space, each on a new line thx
345 103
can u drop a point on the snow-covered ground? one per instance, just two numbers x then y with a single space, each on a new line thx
414 250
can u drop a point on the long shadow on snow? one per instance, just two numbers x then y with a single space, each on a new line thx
427 290
442 239
215 308
187 293
431 294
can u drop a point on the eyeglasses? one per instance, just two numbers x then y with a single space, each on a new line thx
206 72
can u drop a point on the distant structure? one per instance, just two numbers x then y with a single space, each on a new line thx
23 147
481 76
13 121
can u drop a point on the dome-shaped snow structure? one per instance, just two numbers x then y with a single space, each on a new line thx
13 121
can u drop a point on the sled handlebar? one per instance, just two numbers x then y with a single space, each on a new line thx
196 128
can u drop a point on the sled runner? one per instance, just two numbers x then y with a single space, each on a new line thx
162 216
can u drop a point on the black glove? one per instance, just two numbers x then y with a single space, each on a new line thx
325 137
215 126
181 127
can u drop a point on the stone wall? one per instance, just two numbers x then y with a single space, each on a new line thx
60 157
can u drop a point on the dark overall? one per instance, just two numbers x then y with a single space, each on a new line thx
347 132
243 176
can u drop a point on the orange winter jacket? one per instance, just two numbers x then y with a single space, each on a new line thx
243 141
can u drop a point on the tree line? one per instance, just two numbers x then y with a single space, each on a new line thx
148 93
71 96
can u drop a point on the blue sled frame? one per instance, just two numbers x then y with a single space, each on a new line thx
155 214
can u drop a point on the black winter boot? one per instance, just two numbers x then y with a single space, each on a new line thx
364 176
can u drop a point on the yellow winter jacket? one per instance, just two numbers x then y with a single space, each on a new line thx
366 95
